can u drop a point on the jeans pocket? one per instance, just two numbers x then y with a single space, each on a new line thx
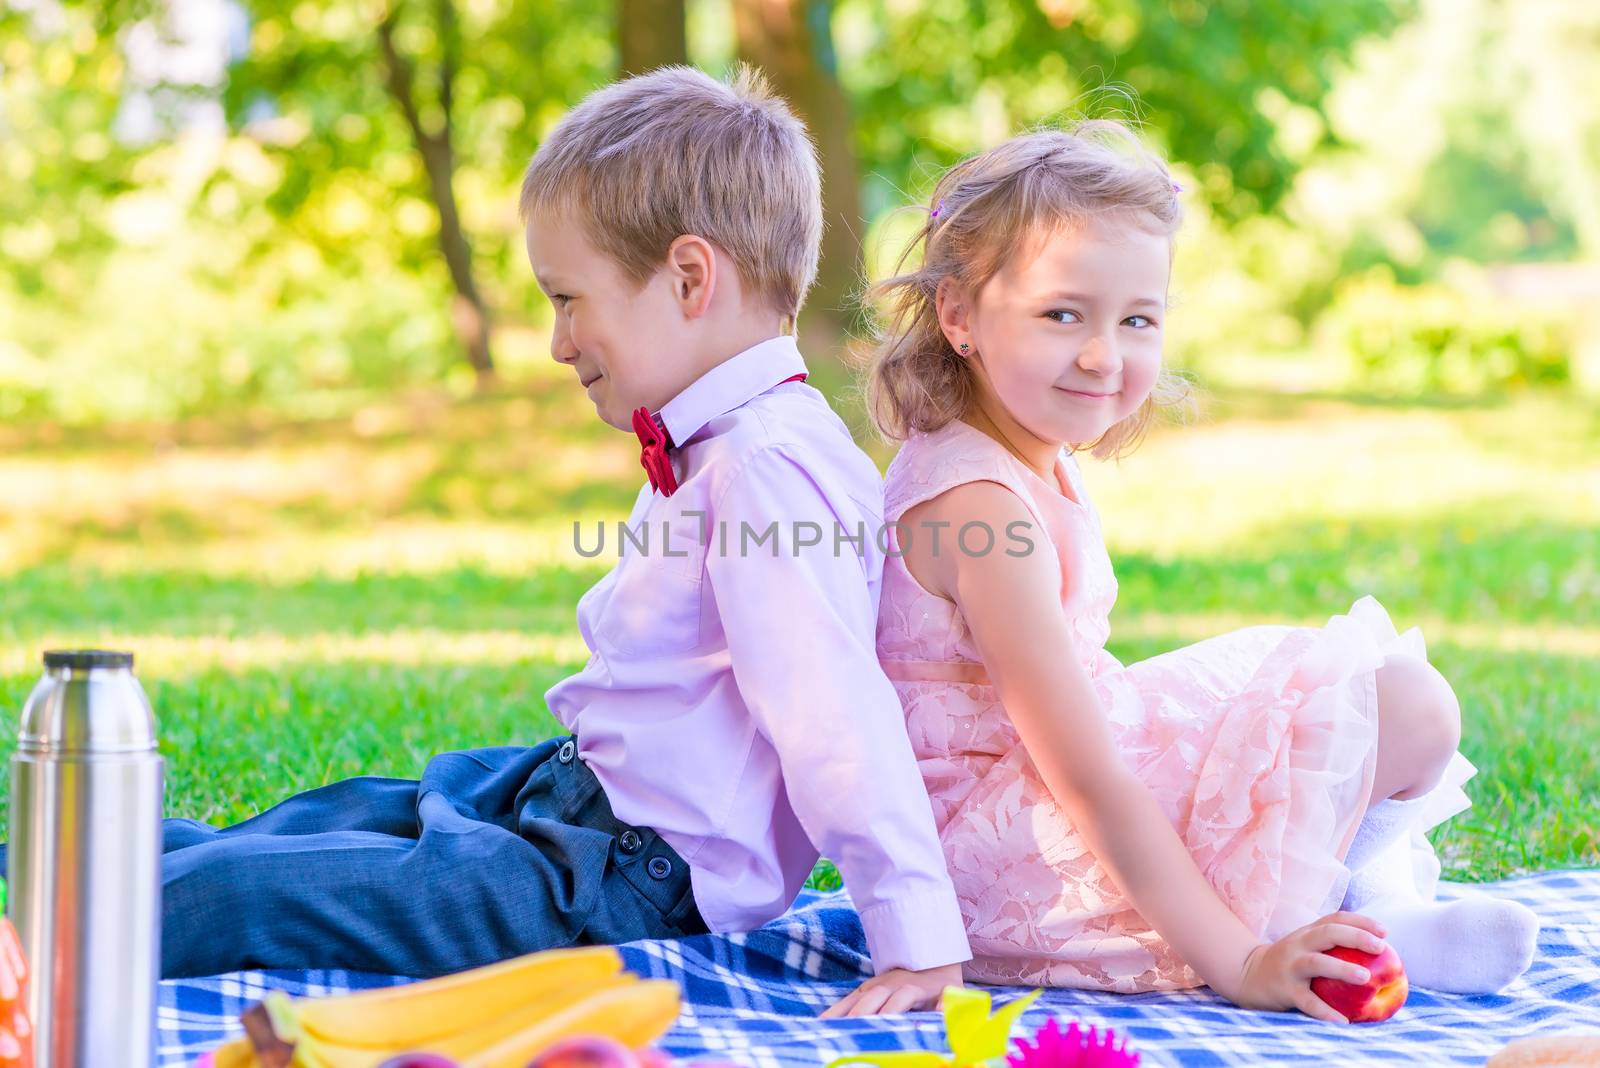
648 890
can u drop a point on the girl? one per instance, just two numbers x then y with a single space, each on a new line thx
1179 821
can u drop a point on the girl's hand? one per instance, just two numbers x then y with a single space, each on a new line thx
896 990
1278 976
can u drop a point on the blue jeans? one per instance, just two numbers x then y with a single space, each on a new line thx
494 853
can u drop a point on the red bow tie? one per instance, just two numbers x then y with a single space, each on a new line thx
654 441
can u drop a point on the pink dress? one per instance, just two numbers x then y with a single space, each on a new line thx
1259 745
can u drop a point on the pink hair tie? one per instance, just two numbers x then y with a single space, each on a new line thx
1176 188
934 214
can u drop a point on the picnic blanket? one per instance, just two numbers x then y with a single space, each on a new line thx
753 999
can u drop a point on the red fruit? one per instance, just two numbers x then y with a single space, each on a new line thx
419 1060
13 969
586 1051
16 1031
1374 1001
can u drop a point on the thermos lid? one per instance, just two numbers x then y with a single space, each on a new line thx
84 659
87 703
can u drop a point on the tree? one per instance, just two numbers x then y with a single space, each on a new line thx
394 101
435 144
792 41
650 34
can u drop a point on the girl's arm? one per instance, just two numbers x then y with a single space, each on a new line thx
1012 605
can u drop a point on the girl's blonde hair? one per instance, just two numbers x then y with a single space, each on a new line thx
984 210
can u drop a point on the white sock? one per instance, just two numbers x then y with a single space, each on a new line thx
1472 945
1377 859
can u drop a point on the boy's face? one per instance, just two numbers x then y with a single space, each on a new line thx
619 337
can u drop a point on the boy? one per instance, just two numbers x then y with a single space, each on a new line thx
734 701
732 712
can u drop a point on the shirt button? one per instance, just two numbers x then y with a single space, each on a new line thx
567 751
659 867
630 841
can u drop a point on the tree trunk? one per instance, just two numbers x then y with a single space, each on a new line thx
792 42
468 312
650 34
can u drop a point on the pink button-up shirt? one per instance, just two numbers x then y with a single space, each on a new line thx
733 700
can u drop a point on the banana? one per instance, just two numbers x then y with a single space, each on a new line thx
468 1044
634 1015
415 1015
314 1051
236 1054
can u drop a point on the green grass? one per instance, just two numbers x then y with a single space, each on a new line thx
316 600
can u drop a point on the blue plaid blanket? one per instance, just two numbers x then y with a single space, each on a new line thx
753 999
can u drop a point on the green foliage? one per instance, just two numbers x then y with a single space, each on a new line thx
312 90
298 255
1537 62
295 263
60 165
1433 338
159 333
1481 204
1468 134
1215 83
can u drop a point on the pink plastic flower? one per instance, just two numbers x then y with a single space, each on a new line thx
1053 1048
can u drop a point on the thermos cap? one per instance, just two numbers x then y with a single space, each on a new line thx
84 659
87 703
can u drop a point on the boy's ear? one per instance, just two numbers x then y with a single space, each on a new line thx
692 270
954 308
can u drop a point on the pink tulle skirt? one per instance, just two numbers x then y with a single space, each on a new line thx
1259 745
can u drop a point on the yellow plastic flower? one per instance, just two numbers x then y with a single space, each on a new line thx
975 1036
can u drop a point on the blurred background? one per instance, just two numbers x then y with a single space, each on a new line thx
277 410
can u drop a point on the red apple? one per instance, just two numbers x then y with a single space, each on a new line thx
1374 1001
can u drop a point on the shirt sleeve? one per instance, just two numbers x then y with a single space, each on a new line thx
801 625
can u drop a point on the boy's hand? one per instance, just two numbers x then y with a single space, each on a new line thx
896 990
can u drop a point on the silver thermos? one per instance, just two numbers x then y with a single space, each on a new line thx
84 867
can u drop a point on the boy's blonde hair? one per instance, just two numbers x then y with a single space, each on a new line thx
673 152
983 210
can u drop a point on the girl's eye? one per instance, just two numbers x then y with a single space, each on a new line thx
1051 315
559 299
1140 321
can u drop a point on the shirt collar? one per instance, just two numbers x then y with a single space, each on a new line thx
731 383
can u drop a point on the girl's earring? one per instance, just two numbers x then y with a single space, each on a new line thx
964 348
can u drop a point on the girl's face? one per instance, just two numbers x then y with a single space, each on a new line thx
1067 341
